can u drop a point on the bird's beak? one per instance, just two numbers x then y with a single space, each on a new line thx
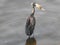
39 7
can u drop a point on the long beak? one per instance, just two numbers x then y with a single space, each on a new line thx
39 7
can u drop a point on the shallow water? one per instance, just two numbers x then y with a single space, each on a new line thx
13 14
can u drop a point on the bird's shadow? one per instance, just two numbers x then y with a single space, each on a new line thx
30 41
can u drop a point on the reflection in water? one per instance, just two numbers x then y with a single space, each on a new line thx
31 41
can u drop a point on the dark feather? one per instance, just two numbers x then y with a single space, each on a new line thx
30 26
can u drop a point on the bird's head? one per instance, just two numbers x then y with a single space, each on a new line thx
33 4
37 6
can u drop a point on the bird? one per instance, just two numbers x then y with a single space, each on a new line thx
31 21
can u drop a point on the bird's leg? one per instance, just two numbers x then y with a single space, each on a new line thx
33 34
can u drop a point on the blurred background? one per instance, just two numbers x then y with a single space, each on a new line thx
13 14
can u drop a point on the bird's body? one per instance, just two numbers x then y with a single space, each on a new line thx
30 25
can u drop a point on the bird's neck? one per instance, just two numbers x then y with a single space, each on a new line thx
33 11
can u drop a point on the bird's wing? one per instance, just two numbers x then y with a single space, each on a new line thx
30 23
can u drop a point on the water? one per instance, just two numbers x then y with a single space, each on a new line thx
13 14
